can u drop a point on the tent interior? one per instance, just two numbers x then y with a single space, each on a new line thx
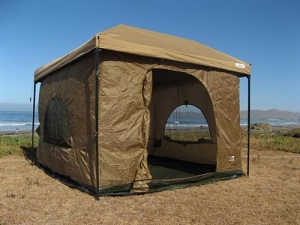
183 156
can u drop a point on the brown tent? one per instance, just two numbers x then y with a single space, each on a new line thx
103 110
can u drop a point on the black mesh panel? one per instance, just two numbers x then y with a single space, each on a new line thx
56 124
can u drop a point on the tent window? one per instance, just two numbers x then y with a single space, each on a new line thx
56 124
187 124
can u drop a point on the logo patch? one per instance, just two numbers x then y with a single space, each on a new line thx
240 65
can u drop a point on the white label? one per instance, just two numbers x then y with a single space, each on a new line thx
240 65
231 158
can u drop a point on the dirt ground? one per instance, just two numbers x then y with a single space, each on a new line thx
271 195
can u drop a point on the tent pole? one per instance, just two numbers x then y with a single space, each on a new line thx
248 135
97 53
33 116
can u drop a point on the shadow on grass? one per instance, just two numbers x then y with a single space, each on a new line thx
30 154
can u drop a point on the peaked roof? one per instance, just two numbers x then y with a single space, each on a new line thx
137 41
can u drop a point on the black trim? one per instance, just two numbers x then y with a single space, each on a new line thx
33 117
248 135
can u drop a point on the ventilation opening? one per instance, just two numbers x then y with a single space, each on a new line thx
187 124
56 124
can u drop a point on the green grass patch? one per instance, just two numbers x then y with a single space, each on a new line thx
280 142
11 144
286 141
188 134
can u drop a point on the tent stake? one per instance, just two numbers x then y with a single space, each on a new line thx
248 135
97 53
33 118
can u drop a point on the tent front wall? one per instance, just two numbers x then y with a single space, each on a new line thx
126 92
125 112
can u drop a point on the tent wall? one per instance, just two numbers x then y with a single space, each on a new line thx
128 101
224 91
73 85
124 119
126 110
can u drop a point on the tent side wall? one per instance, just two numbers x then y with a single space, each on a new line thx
67 124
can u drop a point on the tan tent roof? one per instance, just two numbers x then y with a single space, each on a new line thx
148 43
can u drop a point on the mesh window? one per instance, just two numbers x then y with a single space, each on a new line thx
187 124
56 124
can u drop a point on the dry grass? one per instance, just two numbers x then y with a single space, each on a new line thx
269 196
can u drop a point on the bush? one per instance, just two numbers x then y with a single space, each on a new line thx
263 127
293 133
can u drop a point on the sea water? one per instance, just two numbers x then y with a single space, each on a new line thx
272 122
13 121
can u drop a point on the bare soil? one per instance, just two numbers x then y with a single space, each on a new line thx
271 195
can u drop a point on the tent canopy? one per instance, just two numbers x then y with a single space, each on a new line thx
142 42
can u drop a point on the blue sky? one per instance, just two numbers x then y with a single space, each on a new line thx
264 33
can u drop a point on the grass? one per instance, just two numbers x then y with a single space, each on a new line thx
286 141
188 135
280 142
11 144
268 196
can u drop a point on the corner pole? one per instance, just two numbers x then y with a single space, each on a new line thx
97 60
248 135
33 115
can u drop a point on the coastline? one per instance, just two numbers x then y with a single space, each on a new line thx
275 129
15 133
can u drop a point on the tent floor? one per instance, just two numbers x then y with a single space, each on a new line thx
166 168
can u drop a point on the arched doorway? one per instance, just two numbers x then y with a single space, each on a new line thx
172 89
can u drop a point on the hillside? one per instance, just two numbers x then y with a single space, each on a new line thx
272 114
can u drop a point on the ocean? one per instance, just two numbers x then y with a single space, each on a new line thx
11 121
272 122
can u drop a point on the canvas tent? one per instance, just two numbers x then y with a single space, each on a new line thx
103 110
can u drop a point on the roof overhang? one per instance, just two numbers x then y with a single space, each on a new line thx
152 44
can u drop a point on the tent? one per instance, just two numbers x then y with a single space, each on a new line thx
103 109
